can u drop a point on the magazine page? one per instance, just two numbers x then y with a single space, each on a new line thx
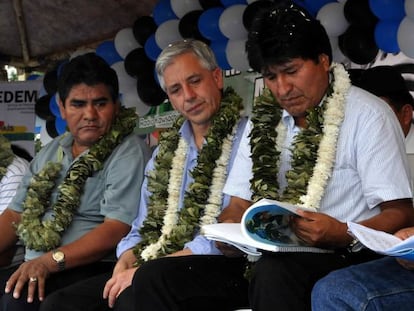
267 221
230 233
264 227
382 242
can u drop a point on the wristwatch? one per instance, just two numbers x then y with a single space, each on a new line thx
354 246
59 257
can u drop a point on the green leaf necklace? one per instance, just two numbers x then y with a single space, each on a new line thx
166 229
45 235
313 149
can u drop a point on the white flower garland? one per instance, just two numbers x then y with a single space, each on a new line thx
214 201
333 117
213 206
171 213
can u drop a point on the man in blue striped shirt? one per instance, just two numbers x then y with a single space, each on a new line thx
12 170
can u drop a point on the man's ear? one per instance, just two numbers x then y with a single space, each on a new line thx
324 59
118 105
218 77
407 113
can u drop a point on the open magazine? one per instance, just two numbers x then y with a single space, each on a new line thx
264 226
382 242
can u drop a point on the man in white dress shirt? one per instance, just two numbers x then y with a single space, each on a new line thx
387 83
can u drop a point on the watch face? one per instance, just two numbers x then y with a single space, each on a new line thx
58 256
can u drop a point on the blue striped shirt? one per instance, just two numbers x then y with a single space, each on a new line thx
370 166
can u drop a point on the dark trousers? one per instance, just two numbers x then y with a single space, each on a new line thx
190 283
55 282
284 281
86 295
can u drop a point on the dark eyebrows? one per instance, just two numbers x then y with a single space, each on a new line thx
101 99
78 102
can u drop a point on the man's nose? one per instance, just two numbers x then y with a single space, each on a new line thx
90 112
284 86
189 93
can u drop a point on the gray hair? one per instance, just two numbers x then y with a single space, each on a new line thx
201 50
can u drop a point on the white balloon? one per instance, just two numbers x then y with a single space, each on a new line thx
337 55
405 37
333 40
167 33
409 8
231 22
125 80
125 42
236 55
182 7
45 138
332 18
130 99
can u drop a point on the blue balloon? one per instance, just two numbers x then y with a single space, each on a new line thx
151 48
107 51
208 24
228 3
219 49
60 125
32 77
386 36
163 12
42 91
303 4
388 9
54 107
313 6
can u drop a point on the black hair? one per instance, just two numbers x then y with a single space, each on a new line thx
283 32
386 81
90 69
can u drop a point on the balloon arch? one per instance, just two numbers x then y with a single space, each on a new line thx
358 30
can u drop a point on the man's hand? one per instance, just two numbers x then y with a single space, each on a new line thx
320 230
234 211
405 234
125 261
34 273
407 264
116 284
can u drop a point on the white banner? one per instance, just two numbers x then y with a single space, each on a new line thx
17 112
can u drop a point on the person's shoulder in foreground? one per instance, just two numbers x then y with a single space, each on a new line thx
86 183
383 284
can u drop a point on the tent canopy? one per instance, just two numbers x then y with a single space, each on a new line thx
34 34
